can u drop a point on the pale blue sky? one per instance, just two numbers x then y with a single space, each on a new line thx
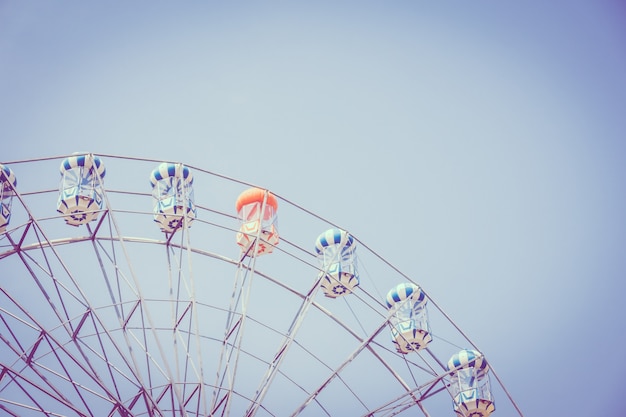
479 147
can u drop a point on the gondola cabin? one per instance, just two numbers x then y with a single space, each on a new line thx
81 196
336 251
469 384
408 318
8 182
258 222
172 196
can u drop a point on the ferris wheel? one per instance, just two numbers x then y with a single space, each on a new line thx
137 287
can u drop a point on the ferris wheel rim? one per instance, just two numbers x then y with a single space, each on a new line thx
168 243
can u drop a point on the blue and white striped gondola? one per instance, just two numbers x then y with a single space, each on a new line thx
469 384
172 196
336 250
81 198
410 330
8 182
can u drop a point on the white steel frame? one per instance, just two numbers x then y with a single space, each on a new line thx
71 353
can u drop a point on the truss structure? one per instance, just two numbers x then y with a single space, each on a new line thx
116 318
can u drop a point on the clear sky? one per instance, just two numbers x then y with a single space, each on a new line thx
477 146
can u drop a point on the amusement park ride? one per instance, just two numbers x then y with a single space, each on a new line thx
97 319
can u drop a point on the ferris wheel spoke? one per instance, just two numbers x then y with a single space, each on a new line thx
116 374
62 291
252 206
20 381
71 328
147 323
283 348
7 411
233 335
339 368
73 365
181 279
368 344
126 294
8 370
412 397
